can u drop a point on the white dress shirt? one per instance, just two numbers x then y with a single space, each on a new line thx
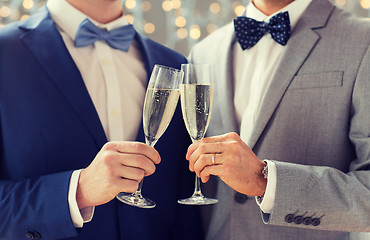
115 80
253 71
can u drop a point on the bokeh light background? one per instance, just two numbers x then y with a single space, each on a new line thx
178 24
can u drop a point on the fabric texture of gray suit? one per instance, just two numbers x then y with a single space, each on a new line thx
314 123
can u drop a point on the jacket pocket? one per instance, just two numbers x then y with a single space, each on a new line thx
317 80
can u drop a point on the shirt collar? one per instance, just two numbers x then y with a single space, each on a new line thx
295 10
60 8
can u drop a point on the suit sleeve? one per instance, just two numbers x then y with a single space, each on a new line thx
37 206
323 197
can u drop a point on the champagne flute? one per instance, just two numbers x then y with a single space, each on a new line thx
196 105
161 99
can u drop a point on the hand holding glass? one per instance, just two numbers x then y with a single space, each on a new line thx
196 105
160 103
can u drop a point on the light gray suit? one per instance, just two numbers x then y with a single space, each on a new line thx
314 123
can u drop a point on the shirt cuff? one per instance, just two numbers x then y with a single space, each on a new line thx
268 199
79 216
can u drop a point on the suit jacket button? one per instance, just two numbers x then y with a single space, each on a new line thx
289 218
298 220
240 198
29 235
36 235
307 221
316 222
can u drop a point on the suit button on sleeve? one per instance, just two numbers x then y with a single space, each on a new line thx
298 220
316 222
29 235
36 235
240 198
289 218
33 235
307 221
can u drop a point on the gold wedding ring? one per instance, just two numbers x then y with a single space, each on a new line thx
213 159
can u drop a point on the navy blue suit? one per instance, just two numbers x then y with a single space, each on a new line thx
49 127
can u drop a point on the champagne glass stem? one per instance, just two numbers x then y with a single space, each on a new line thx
197 190
197 198
138 191
136 198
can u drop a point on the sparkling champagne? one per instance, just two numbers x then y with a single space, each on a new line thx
159 106
196 105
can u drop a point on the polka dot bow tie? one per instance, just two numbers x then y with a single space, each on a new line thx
119 38
249 31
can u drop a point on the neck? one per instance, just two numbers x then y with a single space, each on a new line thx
269 7
102 11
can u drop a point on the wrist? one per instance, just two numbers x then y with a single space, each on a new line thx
81 199
262 179
267 201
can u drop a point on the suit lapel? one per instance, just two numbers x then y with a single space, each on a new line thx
300 45
44 41
225 87
223 113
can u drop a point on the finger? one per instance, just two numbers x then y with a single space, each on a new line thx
206 160
138 161
215 170
134 148
130 173
127 185
232 136
192 148
207 148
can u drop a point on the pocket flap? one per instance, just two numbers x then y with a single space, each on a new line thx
317 80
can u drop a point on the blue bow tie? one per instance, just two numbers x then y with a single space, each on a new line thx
119 38
249 31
